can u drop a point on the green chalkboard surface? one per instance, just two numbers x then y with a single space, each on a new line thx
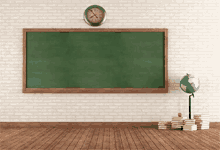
95 61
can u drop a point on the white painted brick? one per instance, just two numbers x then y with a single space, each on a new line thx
192 27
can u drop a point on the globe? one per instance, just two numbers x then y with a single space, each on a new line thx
189 83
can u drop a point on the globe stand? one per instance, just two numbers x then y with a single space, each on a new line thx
190 105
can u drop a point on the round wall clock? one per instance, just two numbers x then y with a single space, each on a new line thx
94 15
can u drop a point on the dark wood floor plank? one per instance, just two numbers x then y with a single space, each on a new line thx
106 140
171 140
141 138
51 139
73 139
198 137
118 142
8 131
165 139
160 144
40 139
88 139
58 139
112 139
179 138
212 133
136 139
182 138
100 149
175 139
13 139
212 137
155 134
8 134
79 143
25 138
130 140
67 139
189 140
109 139
194 142
46 138
147 137
34 138
100 139
94 139
124 139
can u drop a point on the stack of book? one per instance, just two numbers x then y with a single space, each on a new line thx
177 122
202 121
189 125
164 125
169 124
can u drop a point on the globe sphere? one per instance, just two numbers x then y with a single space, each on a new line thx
189 83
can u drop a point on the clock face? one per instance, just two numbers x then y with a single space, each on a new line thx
95 15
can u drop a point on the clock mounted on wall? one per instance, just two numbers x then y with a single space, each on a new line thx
95 15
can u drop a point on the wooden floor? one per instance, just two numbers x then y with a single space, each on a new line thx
107 139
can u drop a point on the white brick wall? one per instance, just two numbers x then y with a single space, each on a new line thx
193 47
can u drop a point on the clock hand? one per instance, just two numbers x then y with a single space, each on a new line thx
93 13
96 16
91 16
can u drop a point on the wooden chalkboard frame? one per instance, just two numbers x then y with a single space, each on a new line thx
96 90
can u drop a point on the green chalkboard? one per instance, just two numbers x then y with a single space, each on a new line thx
76 61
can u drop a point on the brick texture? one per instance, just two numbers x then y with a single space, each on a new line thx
193 47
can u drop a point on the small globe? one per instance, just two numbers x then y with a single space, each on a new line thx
189 83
